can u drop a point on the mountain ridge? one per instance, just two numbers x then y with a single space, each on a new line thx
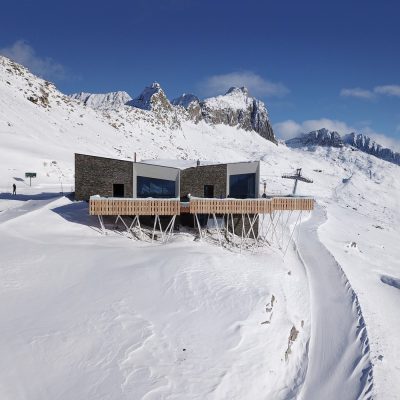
235 108
326 138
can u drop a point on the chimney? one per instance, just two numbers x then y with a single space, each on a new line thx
134 157
198 163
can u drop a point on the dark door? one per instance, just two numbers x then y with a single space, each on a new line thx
209 191
118 190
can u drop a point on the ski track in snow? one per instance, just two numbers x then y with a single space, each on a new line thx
339 365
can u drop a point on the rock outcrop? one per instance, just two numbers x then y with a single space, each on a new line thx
152 98
368 145
235 108
191 103
324 137
320 137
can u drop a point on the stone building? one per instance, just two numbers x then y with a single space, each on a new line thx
110 177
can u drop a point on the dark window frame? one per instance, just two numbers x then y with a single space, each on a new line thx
166 189
242 186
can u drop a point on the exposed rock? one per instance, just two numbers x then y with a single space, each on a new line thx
324 137
292 337
238 108
368 145
320 137
152 98
192 105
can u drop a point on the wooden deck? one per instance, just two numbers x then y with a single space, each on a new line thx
129 206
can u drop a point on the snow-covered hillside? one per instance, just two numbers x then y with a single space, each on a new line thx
91 316
111 100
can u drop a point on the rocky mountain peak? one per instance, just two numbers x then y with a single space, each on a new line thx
152 98
238 90
238 108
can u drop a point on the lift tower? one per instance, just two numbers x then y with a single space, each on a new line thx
297 176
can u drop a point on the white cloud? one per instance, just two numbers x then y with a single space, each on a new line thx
287 129
388 90
358 93
22 53
366 94
257 85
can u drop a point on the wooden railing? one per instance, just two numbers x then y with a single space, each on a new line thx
292 203
230 206
129 206
249 206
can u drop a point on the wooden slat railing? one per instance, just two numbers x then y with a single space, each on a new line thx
292 203
128 206
249 206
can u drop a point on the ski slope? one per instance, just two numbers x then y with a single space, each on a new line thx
339 363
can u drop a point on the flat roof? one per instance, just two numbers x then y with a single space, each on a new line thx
171 163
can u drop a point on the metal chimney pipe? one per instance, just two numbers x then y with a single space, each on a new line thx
134 157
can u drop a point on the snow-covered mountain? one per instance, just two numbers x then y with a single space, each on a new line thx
320 137
324 137
188 320
235 108
152 98
103 101
368 145
185 100
238 108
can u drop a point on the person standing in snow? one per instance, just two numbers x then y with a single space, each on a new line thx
14 189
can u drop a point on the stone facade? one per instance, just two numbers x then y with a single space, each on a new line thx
97 175
194 179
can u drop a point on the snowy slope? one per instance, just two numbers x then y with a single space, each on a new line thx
104 101
81 322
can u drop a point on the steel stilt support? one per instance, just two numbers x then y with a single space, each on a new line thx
217 227
154 228
103 230
198 225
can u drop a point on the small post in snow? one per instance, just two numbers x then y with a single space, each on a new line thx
30 175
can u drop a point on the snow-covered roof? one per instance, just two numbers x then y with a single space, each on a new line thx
185 164
169 163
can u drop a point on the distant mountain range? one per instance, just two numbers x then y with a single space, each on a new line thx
235 108
324 137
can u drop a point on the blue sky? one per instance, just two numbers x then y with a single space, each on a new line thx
314 63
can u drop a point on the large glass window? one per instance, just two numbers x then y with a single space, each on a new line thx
242 186
152 187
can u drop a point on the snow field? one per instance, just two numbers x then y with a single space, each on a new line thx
91 316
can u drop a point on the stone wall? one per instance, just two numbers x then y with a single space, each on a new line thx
194 179
96 175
